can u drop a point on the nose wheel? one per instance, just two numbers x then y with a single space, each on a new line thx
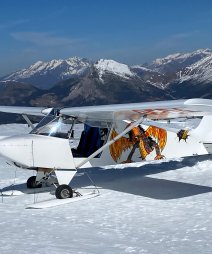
64 191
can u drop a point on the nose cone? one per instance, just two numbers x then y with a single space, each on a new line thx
17 149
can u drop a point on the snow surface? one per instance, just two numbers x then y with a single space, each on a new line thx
162 207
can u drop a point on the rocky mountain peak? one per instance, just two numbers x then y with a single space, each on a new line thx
104 66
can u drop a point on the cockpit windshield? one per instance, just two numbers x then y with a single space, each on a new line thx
91 139
54 126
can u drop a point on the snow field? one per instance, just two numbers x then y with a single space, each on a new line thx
163 207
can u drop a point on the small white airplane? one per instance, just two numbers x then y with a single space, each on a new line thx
120 133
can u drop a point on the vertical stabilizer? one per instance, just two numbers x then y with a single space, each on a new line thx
204 132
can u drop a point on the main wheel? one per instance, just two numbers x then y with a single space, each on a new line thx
31 183
64 191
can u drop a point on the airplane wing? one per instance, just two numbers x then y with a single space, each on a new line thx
132 111
129 111
36 111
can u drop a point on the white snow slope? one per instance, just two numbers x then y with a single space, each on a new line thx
199 71
103 66
163 207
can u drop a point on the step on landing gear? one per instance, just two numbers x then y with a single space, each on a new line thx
64 191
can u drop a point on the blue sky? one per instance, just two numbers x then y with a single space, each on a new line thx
129 31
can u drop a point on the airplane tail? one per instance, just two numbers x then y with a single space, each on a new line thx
203 132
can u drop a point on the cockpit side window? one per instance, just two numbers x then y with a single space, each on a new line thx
54 126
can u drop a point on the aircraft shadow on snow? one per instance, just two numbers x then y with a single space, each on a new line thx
23 188
134 180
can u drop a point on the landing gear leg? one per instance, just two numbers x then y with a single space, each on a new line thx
42 179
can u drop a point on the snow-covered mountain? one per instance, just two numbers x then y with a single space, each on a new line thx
46 74
78 81
152 77
104 67
178 61
194 80
105 83
176 68
160 73
199 72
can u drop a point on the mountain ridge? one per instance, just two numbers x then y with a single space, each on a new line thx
80 82
44 74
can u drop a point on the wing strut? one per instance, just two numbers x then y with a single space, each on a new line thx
26 118
110 142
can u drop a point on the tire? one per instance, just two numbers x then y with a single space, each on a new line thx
64 191
31 183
